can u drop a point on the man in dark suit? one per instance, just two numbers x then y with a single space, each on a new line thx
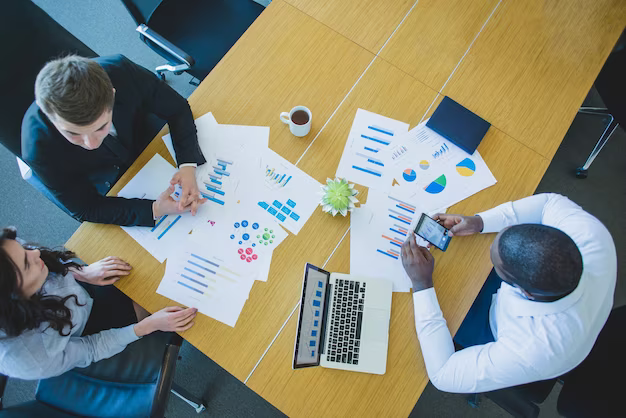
84 130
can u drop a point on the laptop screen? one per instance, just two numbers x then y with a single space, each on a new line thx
312 317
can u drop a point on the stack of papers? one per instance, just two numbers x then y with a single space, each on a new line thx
215 257
409 172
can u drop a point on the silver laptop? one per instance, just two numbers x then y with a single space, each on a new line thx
343 322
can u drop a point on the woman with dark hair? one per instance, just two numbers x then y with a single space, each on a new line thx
56 314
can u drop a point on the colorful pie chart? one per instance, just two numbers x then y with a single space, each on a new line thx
466 168
424 165
409 175
437 185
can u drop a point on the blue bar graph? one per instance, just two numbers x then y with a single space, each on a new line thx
215 181
381 130
214 190
158 223
398 232
376 162
168 227
193 271
370 149
194 280
192 288
380 141
200 267
387 254
401 220
375 173
205 260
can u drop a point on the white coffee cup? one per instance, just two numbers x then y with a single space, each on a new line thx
297 127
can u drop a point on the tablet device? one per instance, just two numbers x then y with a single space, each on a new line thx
433 232
458 125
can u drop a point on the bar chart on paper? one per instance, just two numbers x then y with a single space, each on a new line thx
371 137
197 277
400 216
287 194
215 180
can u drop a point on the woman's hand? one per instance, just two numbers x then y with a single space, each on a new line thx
104 272
170 319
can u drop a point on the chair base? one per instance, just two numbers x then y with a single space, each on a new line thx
581 173
188 398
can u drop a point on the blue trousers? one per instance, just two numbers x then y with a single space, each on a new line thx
475 329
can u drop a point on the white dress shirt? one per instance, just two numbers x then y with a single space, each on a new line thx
533 340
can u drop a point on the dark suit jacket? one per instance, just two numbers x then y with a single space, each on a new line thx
80 178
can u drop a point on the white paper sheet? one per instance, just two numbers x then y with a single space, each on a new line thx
198 276
362 159
281 191
248 239
377 232
170 230
429 169
167 138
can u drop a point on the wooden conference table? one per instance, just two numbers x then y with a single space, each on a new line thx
527 71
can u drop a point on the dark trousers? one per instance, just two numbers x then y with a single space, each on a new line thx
475 329
111 309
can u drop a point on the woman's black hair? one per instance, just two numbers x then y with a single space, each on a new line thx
19 313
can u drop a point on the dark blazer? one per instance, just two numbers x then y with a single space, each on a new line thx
80 178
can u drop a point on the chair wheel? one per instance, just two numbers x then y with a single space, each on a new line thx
161 76
580 173
178 72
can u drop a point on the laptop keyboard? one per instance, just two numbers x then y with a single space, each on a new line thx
345 322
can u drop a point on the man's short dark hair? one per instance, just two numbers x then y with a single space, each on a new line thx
75 88
542 259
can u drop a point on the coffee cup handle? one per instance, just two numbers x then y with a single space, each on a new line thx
284 117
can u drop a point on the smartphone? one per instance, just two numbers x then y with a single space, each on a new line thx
433 232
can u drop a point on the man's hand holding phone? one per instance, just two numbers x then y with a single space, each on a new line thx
459 225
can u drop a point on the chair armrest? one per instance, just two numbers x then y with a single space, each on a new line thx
166 376
3 385
166 45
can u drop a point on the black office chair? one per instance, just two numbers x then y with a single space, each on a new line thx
192 35
32 38
134 383
611 85
595 388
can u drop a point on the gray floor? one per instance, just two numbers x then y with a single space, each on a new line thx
107 29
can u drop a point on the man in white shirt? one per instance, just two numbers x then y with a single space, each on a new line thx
558 268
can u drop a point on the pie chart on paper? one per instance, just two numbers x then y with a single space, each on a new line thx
437 185
466 168
409 175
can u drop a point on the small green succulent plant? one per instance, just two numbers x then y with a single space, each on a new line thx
338 196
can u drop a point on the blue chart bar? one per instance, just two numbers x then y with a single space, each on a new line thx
168 227
395 243
370 149
380 141
158 223
316 303
401 202
200 267
214 190
375 173
194 272
398 232
192 288
281 179
222 172
392 256
401 220
215 181
216 186
212 198
381 130
287 181
205 260
317 313
215 176
221 161
194 280
403 208
376 162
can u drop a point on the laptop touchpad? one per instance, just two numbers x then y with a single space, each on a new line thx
375 325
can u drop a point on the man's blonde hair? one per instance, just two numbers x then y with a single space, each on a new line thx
74 88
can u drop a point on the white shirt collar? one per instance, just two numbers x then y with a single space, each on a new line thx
518 305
